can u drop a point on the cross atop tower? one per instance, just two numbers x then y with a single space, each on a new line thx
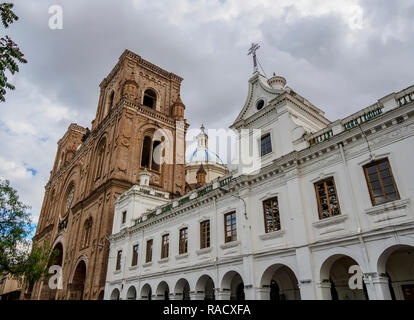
252 51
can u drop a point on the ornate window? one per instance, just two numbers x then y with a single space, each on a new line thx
118 260
135 250
69 200
183 244
271 215
260 105
87 232
265 145
205 234
381 183
165 246
148 256
150 98
100 159
328 204
230 227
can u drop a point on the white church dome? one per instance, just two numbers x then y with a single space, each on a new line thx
205 155
201 153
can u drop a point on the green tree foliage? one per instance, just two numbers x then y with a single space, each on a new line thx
10 54
18 256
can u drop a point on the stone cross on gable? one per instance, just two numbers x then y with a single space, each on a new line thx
252 51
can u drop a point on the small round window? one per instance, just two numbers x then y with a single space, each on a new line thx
259 104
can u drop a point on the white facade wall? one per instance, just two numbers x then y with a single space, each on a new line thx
304 254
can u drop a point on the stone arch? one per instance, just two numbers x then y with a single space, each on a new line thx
151 98
383 256
334 277
281 282
132 293
182 289
146 292
78 279
163 291
47 293
396 266
156 146
232 285
60 240
205 287
115 294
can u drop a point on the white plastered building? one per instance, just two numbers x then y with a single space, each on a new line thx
327 196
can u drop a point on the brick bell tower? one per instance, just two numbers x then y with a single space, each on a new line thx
139 125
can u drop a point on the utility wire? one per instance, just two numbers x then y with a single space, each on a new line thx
261 67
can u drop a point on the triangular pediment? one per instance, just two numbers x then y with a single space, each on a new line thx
259 90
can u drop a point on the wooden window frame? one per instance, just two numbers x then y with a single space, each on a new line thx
134 261
270 149
231 228
118 260
148 255
165 246
380 180
183 241
273 217
318 198
205 234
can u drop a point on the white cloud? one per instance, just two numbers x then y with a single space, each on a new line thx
13 171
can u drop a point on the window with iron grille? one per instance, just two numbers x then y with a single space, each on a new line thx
135 250
230 227
205 234
148 256
118 260
164 246
265 145
328 203
381 183
271 215
183 245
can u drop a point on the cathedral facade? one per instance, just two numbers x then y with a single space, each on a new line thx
139 122
327 213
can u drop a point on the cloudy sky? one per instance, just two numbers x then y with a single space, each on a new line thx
341 55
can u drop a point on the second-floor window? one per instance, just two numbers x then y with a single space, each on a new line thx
328 204
205 234
135 250
271 215
148 257
118 260
265 145
230 227
381 183
183 245
124 216
165 246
